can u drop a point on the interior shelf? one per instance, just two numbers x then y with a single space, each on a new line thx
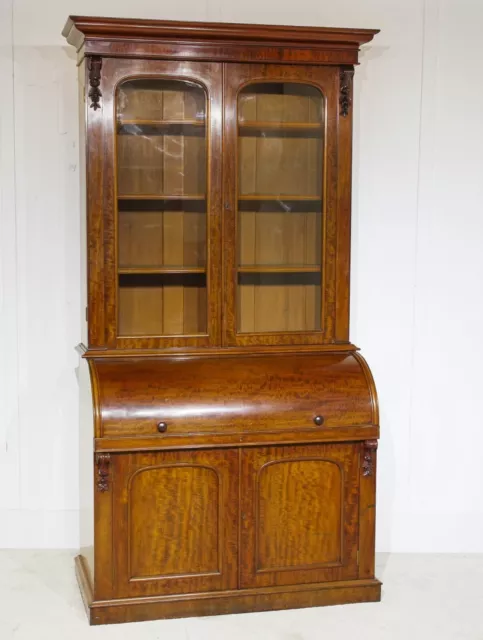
280 126
278 197
159 270
194 196
268 268
162 123
162 127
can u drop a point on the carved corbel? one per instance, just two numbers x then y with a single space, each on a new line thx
103 462
95 64
345 95
369 449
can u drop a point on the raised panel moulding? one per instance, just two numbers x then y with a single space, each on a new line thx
307 495
186 540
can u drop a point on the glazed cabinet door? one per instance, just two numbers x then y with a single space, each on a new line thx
154 180
284 251
299 514
175 522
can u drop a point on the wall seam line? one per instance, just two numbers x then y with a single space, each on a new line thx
15 244
416 244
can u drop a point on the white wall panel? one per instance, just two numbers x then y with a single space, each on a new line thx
417 268
9 408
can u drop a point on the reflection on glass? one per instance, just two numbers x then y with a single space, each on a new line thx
161 190
280 171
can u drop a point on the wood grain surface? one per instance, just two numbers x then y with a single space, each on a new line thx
235 426
232 395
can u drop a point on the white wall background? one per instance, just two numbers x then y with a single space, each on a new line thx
417 270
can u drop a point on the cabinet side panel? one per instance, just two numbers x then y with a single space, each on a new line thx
86 426
86 471
83 207
95 205
367 510
344 177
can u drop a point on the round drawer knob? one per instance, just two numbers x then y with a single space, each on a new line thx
319 420
162 426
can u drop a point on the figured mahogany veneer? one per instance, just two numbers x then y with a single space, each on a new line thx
242 394
215 41
228 426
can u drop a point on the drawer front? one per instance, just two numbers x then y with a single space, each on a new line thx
164 397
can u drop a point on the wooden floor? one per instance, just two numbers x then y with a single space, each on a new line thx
424 596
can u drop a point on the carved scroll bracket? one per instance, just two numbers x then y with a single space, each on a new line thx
345 95
95 64
103 461
370 448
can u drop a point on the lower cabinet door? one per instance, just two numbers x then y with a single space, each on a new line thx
299 514
175 522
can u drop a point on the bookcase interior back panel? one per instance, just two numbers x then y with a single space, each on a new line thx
174 304
280 176
161 186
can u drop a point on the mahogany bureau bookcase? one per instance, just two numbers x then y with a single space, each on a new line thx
228 426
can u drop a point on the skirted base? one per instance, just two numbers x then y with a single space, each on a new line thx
222 602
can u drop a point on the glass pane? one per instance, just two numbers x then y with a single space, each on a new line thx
280 203
161 196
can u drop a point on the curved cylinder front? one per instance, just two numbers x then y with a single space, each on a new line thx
230 394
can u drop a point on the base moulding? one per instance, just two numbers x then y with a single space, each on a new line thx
221 602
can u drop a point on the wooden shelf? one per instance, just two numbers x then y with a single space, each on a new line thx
194 196
159 270
291 126
161 123
277 198
277 268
